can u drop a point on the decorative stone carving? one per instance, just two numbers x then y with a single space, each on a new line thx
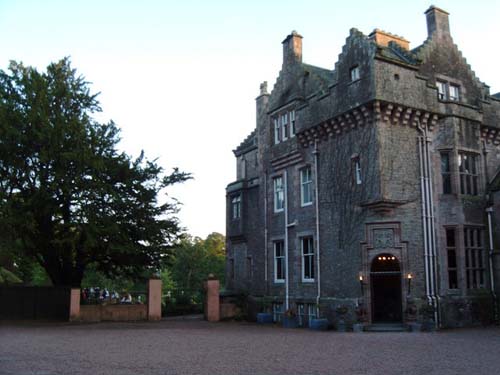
383 238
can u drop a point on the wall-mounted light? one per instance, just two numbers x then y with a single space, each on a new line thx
361 283
409 277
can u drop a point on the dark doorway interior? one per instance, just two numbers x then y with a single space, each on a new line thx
386 289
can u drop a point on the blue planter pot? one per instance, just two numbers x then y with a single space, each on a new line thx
264 318
319 324
290 322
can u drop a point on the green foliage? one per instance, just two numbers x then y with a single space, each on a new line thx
193 259
68 197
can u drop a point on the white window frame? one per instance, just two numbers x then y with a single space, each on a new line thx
277 131
278 310
309 255
357 171
354 72
279 259
454 92
442 90
292 124
236 206
306 185
284 126
279 194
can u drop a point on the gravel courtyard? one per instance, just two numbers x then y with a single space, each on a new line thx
197 347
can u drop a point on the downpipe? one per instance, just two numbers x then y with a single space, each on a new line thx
489 211
285 188
316 190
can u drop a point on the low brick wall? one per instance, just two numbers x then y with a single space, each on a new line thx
113 313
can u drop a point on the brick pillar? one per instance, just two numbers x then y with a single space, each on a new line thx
154 299
212 308
74 305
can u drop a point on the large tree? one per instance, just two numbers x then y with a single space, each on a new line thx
68 197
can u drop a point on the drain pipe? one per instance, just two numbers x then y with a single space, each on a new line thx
424 219
489 210
432 233
265 231
285 188
428 222
316 188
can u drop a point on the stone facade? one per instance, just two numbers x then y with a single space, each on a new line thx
369 187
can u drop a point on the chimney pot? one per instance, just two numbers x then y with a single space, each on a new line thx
292 48
437 22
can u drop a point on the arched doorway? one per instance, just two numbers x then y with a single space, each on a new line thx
385 279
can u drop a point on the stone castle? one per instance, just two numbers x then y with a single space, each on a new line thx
369 192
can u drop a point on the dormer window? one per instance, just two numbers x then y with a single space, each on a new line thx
277 131
441 90
454 93
292 124
448 91
284 126
354 73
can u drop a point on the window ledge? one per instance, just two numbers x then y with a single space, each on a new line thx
279 281
306 204
308 281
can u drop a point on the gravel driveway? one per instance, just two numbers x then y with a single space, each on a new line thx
197 347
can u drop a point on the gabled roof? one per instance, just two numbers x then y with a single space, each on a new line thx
248 144
300 82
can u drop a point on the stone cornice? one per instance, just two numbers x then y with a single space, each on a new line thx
365 114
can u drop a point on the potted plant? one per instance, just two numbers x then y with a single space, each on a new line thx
290 319
341 312
318 323
361 318
264 317
427 312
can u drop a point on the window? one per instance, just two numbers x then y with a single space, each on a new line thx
451 251
454 92
467 167
305 186
474 262
279 194
279 262
292 124
277 131
448 91
278 310
446 172
284 126
305 313
249 268
441 90
357 170
354 73
307 258
236 206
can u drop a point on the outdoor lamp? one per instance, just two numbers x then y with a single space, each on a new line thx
409 277
361 283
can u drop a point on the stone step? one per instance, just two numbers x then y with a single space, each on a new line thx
387 327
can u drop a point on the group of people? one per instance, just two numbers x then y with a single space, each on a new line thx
97 295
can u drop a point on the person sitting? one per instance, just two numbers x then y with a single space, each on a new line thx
127 298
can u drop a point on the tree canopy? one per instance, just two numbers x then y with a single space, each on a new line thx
68 197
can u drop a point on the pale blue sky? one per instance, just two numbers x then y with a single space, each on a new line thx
180 77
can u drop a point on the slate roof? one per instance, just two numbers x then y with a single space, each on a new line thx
497 95
395 52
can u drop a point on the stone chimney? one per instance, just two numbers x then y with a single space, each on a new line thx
292 48
437 22
383 38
